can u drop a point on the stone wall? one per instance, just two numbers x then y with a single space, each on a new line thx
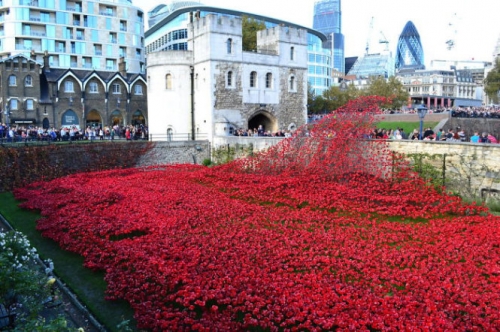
468 168
24 164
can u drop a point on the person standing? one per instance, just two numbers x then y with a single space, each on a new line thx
475 138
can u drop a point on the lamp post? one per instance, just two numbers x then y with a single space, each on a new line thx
422 112
7 113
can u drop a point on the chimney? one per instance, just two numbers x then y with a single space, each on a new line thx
32 55
122 66
46 63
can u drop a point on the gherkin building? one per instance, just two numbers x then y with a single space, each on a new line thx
409 52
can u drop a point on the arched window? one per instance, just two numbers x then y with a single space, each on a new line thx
253 79
291 85
13 104
28 81
168 81
229 78
30 104
269 80
170 134
229 45
12 80
292 53
93 87
68 86
138 89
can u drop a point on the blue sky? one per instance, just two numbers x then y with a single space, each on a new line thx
473 24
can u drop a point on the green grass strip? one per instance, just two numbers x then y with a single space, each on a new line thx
89 286
408 127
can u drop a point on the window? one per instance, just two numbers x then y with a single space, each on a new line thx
229 45
292 53
292 83
138 89
230 78
29 104
253 79
68 86
116 88
168 81
28 81
13 104
93 88
12 80
269 80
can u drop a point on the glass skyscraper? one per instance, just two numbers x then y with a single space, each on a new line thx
328 20
409 51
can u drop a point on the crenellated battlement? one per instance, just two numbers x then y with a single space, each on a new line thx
282 33
217 24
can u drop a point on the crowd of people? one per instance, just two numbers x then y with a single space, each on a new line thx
452 135
491 112
260 132
71 133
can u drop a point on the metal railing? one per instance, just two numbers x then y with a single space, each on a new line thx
178 137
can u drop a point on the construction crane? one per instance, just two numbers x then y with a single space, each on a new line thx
383 40
367 48
450 42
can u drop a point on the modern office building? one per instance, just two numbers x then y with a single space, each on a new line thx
328 20
409 51
75 33
376 64
170 33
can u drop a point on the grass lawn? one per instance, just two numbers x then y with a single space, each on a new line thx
407 126
88 286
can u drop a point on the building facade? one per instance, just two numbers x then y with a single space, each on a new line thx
33 93
441 89
85 34
328 20
215 88
409 50
170 32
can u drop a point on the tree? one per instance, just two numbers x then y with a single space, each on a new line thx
315 104
335 97
250 26
392 89
492 83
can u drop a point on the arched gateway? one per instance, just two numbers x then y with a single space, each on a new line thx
263 118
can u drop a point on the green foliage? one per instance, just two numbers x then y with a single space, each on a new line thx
23 287
492 83
207 162
225 154
250 26
88 285
428 168
392 89
334 98
408 127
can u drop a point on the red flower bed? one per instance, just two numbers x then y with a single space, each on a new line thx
287 240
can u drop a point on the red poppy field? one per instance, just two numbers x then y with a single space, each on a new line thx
320 233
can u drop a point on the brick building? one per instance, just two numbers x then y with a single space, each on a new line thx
33 93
